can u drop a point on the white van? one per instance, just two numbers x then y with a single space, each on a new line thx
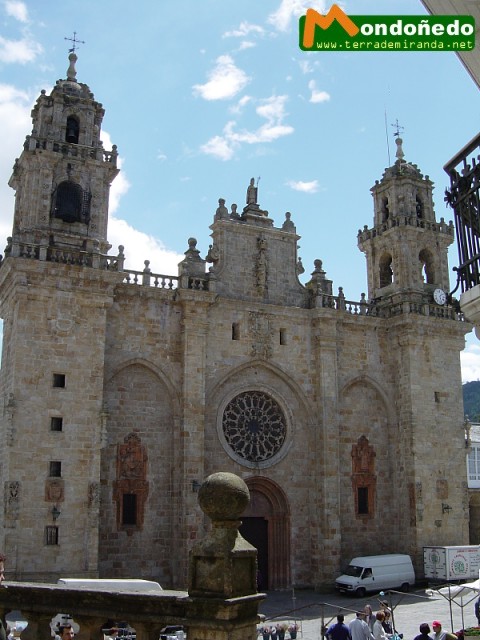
374 573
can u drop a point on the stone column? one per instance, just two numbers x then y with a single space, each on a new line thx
223 567
327 542
189 440
38 625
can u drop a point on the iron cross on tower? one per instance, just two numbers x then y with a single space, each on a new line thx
75 42
398 129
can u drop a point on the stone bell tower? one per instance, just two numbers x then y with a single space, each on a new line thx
406 249
56 286
62 178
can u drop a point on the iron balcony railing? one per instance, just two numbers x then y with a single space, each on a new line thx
464 198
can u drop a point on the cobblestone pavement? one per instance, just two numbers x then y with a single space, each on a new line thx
308 608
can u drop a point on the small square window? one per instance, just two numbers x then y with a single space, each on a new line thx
56 424
59 380
55 469
51 535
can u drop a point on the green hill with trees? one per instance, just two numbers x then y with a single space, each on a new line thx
471 400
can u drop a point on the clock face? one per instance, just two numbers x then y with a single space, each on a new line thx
440 296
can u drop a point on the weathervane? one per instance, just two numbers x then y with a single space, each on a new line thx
75 42
398 129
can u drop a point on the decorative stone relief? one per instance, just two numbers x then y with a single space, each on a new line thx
261 266
93 494
363 477
442 489
11 499
262 336
8 412
61 326
54 490
131 480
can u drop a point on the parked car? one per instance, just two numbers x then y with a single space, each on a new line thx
173 632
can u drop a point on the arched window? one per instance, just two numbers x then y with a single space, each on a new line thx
71 203
419 207
73 130
386 271
385 210
427 266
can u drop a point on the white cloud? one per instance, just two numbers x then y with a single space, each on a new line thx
243 30
246 44
306 66
21 51
470 362
15 107
218 146
291 10
272 109
140 246
238 108
306 187
316 95
17 10
224 81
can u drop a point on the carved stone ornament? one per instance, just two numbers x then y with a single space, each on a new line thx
363 477
93 494
131 480
54 490
262 337
254 426
11 491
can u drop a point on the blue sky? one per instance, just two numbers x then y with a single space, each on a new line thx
201 96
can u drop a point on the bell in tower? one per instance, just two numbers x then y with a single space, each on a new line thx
72 130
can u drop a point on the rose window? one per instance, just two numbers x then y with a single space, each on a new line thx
254 426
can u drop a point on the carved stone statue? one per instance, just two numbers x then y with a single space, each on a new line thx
252 192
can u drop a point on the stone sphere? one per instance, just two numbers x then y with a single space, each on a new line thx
223 496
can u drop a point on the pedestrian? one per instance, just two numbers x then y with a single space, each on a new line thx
110 630
378 630
424 632
339 630
387 622
369 616
439 634
66 632
477 610
359 629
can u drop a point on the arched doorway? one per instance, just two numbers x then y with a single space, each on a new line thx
266 525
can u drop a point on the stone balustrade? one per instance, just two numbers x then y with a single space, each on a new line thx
405 220
72 150
315 294
221 602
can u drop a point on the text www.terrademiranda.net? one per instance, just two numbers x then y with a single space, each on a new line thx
399 45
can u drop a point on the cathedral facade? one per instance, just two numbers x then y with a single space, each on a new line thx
123 390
